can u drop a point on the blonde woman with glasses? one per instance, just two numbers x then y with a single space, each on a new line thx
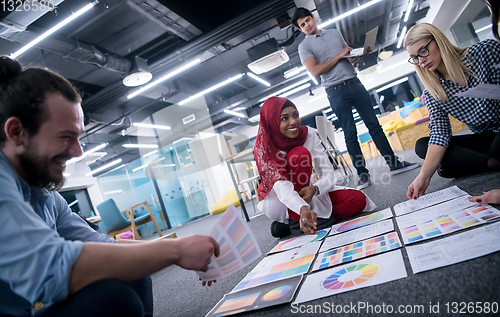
446 70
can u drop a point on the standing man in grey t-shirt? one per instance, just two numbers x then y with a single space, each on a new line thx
323 53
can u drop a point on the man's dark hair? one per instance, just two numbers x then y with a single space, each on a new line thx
22 94
300 13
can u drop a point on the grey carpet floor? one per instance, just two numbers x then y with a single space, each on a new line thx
178 292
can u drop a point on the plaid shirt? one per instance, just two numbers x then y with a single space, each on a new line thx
480 115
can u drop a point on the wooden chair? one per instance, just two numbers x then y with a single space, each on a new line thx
147 219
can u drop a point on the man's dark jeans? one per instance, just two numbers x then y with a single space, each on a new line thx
343 97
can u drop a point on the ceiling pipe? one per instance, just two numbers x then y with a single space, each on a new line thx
384 32
195 48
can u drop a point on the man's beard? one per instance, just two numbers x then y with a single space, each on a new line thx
37 170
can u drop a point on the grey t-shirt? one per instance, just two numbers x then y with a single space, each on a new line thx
323 48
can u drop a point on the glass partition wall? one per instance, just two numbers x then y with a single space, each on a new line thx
181 175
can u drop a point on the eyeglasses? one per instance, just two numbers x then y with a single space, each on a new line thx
422 52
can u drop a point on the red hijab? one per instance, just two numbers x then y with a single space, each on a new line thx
271 163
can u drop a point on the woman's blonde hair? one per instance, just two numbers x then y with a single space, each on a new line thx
451 55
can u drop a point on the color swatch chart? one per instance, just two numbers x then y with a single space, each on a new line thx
361 221
271 294
359 234
286 256
457 248
377 245
363 273
299 241
424 224
238 246
428 200
276 272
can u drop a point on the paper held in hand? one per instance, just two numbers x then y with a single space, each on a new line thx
238 246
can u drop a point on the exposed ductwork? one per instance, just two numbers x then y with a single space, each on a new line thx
92 55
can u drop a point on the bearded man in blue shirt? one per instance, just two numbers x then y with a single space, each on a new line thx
48 253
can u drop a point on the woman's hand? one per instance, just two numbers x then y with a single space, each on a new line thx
308 220
491 197
418 187
307 193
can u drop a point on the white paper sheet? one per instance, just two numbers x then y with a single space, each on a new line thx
238 246
485 91
457 248
429 223
428 200
361 221
359 234
363 273
387 242
299 241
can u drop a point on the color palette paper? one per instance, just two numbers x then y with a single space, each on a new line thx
429 223
359 234
271 294
359 250
361 221
363 273
454 249
280 266
238 246
299 241
428 200
286 256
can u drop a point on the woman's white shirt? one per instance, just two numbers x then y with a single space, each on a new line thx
283 196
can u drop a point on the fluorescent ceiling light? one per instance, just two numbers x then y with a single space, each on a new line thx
141 146
139 168
331 116
408 10
55 28
401 37
114 192
235 113
482 29
385 69
348 13
150 153
291 92
225 82
237 103
114 169
152 126
397 82
102 168
165 77
85 154
294 71
316 98
328 110
66 174
285 89
312 78
74 202
260 80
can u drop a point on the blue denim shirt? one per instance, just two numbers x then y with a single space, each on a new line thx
40 240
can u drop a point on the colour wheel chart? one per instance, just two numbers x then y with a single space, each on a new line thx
350 276
361 221
371 271
299 241
359 250
423 224
271 294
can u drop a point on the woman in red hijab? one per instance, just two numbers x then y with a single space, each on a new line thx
284 153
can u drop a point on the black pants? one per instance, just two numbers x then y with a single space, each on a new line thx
466 154
106 298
